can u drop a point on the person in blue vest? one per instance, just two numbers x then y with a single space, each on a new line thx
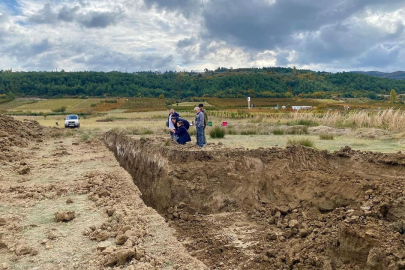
181 133
169 122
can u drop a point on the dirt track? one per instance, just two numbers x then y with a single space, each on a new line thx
111 225
294 208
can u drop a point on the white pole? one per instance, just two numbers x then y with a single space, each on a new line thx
249 103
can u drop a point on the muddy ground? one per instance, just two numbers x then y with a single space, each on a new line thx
67 203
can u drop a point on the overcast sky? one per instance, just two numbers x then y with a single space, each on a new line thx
134 35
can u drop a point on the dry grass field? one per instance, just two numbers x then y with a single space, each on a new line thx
366 129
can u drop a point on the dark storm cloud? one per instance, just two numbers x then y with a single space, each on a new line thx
260 25
304 32
89 19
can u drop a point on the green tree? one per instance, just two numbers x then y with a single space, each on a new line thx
294 72
393 96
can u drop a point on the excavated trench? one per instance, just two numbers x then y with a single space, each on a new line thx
274 208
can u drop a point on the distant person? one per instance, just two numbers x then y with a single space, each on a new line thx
181 133
201 106
169 123
199 125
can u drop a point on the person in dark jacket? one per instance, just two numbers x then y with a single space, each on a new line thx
181 133
186 124
169 122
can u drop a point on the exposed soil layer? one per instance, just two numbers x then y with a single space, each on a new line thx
293 208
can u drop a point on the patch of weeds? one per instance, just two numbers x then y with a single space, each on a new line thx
248 132
257 119
231 131
168 142
303 122
278 131
326 136
217 132
131 131
297 130
56 134
84 137
116 130
302 141
146 131
192 132
68 133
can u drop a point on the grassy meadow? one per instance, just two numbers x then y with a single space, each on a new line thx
380 130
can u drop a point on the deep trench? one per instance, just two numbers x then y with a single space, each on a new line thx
192 188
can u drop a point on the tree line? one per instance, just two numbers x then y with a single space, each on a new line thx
274 82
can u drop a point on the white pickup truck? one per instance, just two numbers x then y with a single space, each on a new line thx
72 120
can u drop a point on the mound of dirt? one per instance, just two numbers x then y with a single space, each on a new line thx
274 208
17 133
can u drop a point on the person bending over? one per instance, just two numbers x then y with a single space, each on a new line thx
181 133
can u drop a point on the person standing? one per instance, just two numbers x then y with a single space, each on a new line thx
201 106
169 122
199 125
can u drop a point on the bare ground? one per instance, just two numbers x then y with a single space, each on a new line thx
66 204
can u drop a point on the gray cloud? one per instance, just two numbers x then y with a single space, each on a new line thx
185 7
260 25
166 34
109 60
99 19
89 19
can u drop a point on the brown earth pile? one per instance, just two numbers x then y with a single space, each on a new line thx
293 208
17 133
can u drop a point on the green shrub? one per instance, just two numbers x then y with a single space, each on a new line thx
303 122
192 132
326 136
278 131
309 123
217 132
93 105
248 132
61 109
302 141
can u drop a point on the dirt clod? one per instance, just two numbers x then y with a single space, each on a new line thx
69 200
120 257
64 216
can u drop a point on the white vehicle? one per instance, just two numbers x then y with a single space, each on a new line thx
72 120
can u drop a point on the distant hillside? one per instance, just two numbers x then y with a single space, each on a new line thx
397 75
272 82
